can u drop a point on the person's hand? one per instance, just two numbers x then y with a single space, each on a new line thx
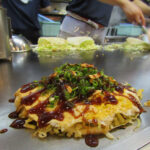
148 34
134 13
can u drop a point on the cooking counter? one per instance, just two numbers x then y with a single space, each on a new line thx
28 66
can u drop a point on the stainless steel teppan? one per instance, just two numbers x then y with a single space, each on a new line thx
5 51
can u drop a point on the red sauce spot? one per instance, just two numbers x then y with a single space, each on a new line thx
3 131
91 140
18 124
27 87
30 99
12 100
13 115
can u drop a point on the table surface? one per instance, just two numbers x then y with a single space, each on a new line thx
28 66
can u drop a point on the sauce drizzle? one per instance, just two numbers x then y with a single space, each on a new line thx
13 115
27 87
18 124
63 86
12 100
91 140
110 99
3 131
30 99
133 100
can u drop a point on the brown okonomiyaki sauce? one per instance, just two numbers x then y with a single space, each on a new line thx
133 100
18 123
63 106
31 98
13 115
92 140
3 131
27 87
11 100
110 99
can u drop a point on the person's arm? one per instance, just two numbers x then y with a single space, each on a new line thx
45 6
148 34
144 7
114 2
134 13
46 9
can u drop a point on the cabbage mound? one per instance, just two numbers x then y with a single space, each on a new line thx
52 43
82 43
130 45
72 43
134 44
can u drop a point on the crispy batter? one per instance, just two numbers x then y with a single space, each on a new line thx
147 104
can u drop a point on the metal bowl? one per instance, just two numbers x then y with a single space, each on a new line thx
19 43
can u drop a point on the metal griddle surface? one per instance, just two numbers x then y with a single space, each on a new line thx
26 67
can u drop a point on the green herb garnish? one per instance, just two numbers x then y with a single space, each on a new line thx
83 79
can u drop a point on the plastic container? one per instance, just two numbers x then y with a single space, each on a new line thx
128 30
48 26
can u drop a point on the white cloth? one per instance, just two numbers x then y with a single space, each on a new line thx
117 16
25 1
73 27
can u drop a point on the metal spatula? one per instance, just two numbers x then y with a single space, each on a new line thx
145 38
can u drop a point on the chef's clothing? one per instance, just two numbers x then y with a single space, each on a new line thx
146 1
86 18
91 9
23 14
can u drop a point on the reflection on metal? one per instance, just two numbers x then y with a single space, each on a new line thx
19 43
27 67
4 35
145 147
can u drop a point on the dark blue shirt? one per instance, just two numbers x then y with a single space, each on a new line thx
24 16
91 9
146 1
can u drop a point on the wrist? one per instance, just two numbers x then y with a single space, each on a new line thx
123 3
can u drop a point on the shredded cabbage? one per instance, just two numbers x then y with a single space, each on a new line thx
138 124
109 136
134 44
113 47
52 43
72 43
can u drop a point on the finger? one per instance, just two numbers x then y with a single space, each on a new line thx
132 20
129 18
148 34
134 23
138 19
142 19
